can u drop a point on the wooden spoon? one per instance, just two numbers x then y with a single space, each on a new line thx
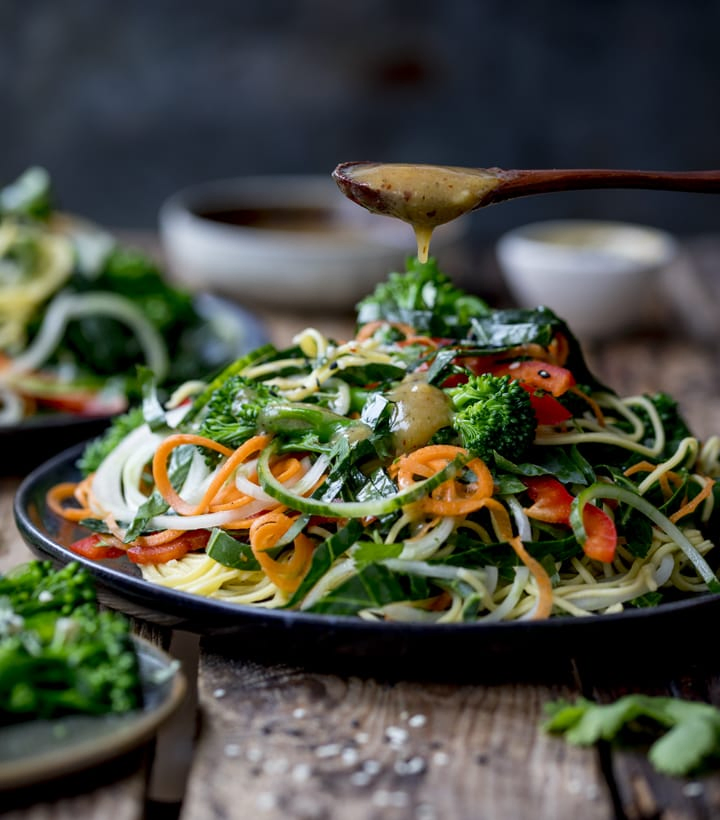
430 195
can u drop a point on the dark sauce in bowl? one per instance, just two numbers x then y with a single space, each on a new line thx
303 220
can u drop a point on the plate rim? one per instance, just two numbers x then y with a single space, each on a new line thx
170 602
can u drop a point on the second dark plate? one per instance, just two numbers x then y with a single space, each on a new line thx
35 439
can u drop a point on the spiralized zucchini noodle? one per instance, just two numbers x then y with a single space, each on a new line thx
410 475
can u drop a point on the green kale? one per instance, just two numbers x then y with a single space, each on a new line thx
103 345
424 298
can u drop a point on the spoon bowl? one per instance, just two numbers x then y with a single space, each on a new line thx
427 196
438 193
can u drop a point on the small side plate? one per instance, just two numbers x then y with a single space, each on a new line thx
38 750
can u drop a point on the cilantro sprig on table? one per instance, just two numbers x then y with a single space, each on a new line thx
687 733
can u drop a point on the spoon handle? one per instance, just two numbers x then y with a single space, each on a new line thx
521 183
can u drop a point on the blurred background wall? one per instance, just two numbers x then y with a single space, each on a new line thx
125 102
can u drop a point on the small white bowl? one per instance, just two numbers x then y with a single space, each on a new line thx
289 241
602 278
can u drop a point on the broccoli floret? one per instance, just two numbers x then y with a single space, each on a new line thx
231 414
59 654
97 450
424 298
241 408
493 414
36 587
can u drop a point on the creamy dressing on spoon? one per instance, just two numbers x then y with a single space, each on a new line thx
424 196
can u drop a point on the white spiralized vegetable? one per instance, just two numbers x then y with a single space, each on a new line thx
65 307
522 522
11 406
108 490
418 549
336 575
522 574
107 483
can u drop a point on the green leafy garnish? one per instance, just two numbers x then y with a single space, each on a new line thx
689 731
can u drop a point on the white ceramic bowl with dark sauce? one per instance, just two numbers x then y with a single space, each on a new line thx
289 241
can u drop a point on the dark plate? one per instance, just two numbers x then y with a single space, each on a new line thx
40 750
33 440
674 630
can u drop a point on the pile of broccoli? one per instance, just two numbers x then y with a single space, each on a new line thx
60 654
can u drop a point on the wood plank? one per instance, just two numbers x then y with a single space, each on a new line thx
642 792
687 371
116 790
289 743
13 549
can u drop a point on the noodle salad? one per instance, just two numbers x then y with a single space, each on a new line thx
79 314
449 463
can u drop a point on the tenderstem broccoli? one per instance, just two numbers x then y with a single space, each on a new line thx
60 654
242 408
493 414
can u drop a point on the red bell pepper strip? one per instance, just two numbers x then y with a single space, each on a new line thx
537 374
552 503
98 546
551 500
548 410
544 382
601 541
175 549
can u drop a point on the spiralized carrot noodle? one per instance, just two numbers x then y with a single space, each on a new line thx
594 406
231 498
691 505
234 458
559 349
457 498
155 539
265 532
452 497
60 493
664 479
426 341
501 521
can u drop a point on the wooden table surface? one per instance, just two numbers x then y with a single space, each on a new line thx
270 740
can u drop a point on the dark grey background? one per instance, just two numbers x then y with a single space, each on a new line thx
125 101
